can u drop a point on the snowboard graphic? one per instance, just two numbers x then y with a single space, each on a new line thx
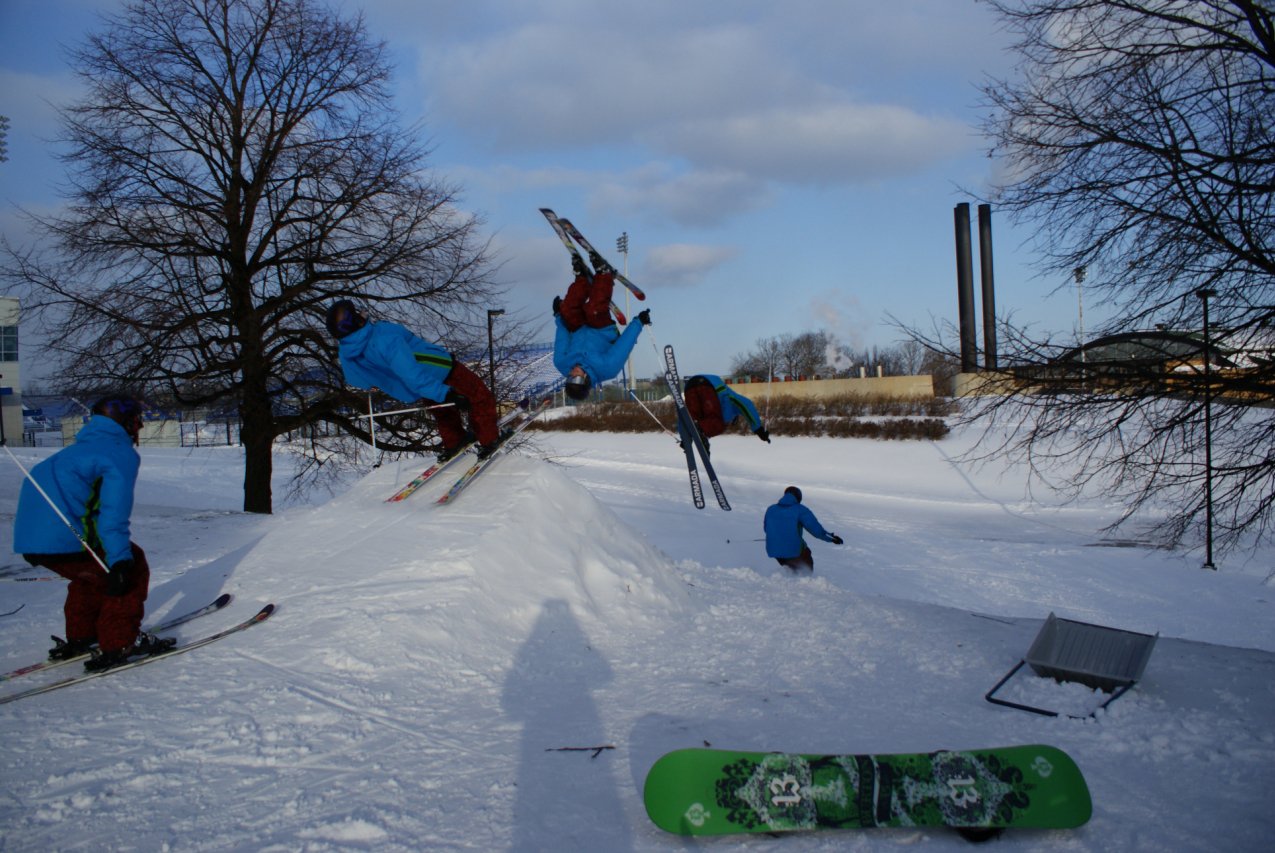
721 792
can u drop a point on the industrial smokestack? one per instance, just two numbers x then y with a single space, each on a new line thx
965 289
989 286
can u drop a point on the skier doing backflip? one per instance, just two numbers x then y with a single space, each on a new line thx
784 523
714 406
387 356
73 518
588 349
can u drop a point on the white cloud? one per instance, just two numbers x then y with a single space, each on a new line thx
684 264
821 143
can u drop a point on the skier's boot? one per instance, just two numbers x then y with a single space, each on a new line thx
485 450
67 649
102 661
448 452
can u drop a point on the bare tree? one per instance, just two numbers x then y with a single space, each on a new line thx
1139 145
805 354
235 166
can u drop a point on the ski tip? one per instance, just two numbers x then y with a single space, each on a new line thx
222 600
265 612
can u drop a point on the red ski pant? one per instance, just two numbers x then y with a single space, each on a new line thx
588 303
90 613
482 409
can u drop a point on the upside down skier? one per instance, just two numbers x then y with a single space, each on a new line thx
387 356
83 501
588 349
714 405
784 523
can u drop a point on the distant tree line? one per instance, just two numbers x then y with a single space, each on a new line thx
812 354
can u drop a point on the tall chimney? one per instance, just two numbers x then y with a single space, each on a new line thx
965 290
989 286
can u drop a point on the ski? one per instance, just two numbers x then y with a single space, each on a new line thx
697 488
467 479
220 602
977 791
558 229
690 436
438 467
261 616
565 230
597 259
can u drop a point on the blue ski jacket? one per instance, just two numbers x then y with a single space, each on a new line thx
601 352
92 483
784 523
733 404
387 356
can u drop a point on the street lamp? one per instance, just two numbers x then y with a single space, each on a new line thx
1204 295
492 313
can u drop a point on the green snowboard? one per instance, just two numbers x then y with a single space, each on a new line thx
720 792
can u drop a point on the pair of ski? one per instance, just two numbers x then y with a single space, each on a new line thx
477 467
567 233
691 440
58 684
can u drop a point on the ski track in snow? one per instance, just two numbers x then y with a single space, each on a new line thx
427 663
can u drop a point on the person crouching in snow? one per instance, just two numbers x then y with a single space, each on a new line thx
588 349
78 499
714 406
387 356
784 523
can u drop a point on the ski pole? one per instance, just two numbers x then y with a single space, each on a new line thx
634 395
56 508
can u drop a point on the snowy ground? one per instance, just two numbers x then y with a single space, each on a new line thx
427 664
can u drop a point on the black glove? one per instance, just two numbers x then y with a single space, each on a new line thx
557 305
119 578
836 540
762 433
645 317
461 403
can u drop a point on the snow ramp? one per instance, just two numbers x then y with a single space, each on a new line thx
360 580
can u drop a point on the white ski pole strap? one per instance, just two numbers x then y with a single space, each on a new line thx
55 507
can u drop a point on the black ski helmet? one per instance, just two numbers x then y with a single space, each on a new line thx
577 387
794 491
124 410
344 318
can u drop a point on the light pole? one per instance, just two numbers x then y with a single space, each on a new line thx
1204 294
492 313
1079 273
622 244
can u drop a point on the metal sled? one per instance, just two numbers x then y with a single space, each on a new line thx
1106 659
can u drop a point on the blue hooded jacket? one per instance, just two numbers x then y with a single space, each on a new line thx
600 352
784 523
388 356
733 404
92 483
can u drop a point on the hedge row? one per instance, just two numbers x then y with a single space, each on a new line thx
835 417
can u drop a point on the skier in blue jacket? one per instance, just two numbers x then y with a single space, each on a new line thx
387 356
588 349
714 406
91 484
784 523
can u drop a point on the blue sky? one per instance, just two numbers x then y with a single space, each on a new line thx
778 167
